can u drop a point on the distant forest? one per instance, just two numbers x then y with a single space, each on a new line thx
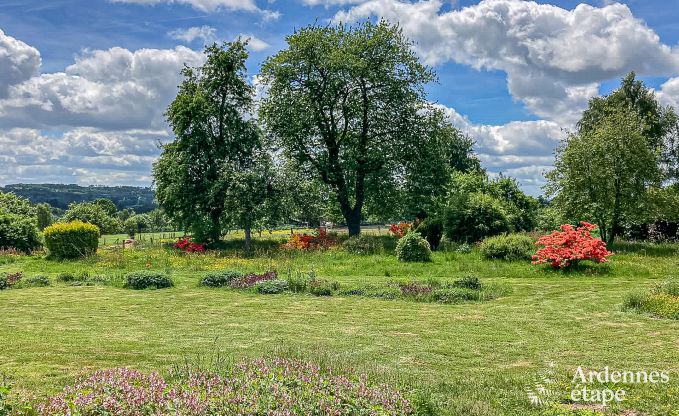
140 200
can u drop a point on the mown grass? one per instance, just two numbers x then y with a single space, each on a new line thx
475 358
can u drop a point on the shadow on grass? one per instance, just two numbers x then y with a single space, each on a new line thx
646 249
580 269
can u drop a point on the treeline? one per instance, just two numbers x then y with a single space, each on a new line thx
60 196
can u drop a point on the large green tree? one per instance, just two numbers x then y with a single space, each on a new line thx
213 134
603 173
346 101
659 124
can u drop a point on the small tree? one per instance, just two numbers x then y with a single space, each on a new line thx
603 174
93 214
43 213
136 224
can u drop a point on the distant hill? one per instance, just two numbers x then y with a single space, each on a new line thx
60 195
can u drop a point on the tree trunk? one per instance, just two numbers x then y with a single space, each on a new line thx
215 227
248 238
354 224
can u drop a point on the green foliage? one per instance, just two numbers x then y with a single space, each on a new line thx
455 295
661 301
136 224
474 217
431 229
549 219
468 282
508 247
413 248
220 278
10 203
345 103
92 213
145 279
19 232
35 281
213 139
271 287
71 240
320 287
363 244
43 213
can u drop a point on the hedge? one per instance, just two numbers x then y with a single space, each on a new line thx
71 240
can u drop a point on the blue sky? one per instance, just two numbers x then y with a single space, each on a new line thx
507 76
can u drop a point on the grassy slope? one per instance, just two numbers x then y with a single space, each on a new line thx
477 358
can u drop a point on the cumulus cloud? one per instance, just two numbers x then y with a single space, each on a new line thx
254 43
111 89
669 93
205 33
554 58
18 62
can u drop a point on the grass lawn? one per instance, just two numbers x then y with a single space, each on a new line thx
475 358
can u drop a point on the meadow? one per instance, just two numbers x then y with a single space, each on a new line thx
474 358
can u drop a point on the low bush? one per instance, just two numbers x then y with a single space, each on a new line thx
275 386
507 247
319 240
252 279
413 248
468 282
566 248
363 244
299 282
455 295
661 301
146 279
319 287
19 232
271 287
401 229
9 280
71 240
36 281
187 245
220 278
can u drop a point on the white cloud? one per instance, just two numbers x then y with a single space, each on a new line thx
18 62
113 89
669 93
206 33
554 58
328 3
254 43
210 6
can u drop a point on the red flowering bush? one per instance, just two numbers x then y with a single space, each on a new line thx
400 229
185 244
317 241
562 249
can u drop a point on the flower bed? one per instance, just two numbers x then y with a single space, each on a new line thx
185 244
273 387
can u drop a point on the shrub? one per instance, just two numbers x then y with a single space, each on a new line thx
67 277
299 282
71 240
412 247
670 287
468 282
252 279
220 278
363 244
319 287
19 232
271 287
187 245
562 249
415 289
93 213
145 279
401 229
9 280
475 217
507 247
36 281
455 295
320 240
276 386
431 229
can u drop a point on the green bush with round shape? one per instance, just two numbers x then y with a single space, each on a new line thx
71 240
220 278
508 247
19 232
413 248
271 287
476 217
147 279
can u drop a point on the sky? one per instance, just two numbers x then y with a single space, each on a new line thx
84 83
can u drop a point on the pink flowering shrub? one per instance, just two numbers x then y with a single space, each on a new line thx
259 387
562 249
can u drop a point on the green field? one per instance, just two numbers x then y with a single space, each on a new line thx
474 358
